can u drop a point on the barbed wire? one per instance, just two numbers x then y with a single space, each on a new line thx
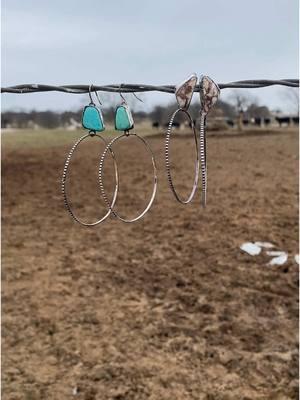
132 88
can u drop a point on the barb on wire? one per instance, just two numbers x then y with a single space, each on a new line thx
132 88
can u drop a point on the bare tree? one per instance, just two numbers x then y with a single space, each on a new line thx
291 95
255 111
241 101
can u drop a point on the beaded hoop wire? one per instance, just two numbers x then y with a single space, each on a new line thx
209 94
64 179
183 93
167 156
101 165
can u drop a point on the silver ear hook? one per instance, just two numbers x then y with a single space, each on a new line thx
98 98
137 97
122 97
90 94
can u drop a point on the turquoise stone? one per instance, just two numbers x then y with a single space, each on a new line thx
123 118
92 119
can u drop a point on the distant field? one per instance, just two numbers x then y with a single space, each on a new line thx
55 137
167 308
58 137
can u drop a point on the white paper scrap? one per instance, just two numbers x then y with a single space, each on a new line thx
297 258
275 253
280 260
266 245
251 248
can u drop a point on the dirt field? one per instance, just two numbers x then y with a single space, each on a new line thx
167 308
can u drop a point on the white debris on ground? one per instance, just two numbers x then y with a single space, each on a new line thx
279 257
266 245
251 248
275 253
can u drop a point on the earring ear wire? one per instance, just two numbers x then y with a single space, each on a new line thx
137 97
96 93
120 93
90 94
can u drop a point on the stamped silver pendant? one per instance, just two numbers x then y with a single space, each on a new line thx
209 93
184 91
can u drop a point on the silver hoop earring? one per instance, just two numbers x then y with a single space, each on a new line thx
209 94
184 93
92 120
124 122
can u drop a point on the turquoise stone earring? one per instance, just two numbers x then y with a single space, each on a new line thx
93 121
92 118
124 122
123 117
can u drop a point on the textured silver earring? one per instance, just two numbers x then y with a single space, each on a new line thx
92 120
184 93
124 122
209 94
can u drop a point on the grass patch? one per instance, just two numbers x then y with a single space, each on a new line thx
29 138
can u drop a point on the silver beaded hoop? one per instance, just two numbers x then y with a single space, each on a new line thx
101 165
64 179
184 93
209 94
167 156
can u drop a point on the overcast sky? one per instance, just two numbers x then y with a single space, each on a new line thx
156 42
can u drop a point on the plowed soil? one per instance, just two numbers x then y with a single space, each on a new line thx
166 308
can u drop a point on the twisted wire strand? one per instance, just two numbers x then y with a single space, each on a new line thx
131 88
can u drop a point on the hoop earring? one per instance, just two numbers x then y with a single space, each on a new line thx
209 94
92 120
124 122
184 93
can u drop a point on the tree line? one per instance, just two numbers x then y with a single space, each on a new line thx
241 106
